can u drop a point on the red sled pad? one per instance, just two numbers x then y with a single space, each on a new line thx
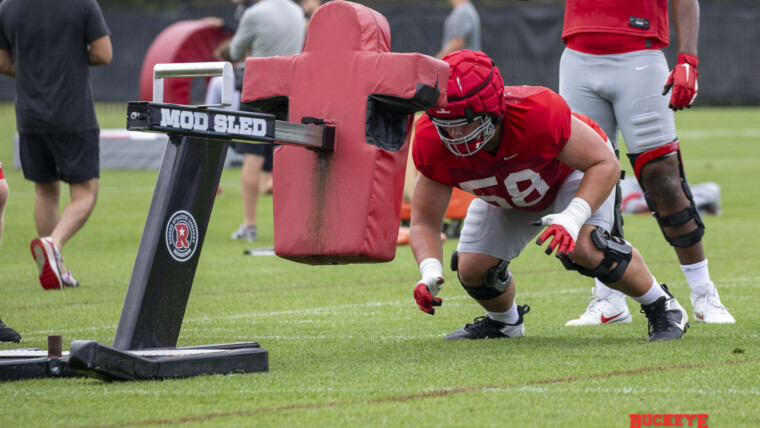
183 41
343 207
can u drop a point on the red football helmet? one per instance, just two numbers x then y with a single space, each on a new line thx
475 94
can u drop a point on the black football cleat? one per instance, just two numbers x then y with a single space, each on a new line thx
486 328
667 318
8 334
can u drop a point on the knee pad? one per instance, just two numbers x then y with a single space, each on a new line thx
495 281
617 256
638 160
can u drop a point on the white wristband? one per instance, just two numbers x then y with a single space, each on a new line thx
579 210
431 267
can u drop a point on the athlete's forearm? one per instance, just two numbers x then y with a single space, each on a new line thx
425 241
686 23
455 44
243 38
597 183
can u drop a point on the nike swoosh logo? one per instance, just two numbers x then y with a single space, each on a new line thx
682 324
510 157
673 305
700 316
605 320
641 68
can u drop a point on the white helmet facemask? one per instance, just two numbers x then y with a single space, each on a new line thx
471 143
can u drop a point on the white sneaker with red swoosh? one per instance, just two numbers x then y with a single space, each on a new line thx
612 309
707 305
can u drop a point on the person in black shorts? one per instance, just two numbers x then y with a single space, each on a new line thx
267 28
48 47
255 178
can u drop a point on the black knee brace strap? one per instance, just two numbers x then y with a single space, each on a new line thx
617 219
638 160
495 281
617 253
678 219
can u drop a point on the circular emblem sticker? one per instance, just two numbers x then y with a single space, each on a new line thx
181 236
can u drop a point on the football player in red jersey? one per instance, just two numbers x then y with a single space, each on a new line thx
7 334
613 71
531 163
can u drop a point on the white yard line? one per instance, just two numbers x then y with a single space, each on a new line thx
363 307
719 133
510 389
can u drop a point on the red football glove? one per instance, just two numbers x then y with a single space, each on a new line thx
683 81
424 299
562 241
564 226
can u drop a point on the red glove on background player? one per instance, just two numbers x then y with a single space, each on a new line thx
683 81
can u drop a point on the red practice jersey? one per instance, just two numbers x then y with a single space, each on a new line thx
524 173
615 26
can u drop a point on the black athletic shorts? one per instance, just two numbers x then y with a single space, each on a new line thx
266 150
72 157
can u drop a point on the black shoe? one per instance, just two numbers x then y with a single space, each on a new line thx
667 318
8 334
486 328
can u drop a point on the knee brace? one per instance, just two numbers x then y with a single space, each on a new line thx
638 160
495 281
617 256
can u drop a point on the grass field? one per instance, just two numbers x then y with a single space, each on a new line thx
347 344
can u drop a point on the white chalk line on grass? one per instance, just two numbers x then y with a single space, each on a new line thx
331 310
375 338
719 133
634 391
362 307
545 389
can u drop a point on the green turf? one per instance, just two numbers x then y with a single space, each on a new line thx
348 346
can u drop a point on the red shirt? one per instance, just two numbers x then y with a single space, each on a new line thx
524 173
615 26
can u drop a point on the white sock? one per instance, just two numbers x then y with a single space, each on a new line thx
696 274
651 296
603 292
509 317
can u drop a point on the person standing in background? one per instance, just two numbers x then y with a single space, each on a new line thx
461 30
614 71
268 28
309 7
48 46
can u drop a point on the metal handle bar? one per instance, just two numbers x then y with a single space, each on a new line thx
194 69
